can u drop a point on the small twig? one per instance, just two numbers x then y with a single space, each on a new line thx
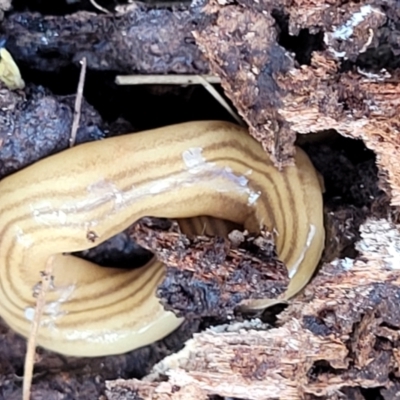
163 79
78 103
99 7
31 347
211 89
47 274
205 80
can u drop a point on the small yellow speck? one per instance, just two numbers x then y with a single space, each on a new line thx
9 71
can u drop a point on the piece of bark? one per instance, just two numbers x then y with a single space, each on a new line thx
261 77
349 29
246 361
210 276
342 332
141 40
372 116
278 98
241 46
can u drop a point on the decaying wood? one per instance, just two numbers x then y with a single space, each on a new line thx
141 40
342 332
211 276
279 98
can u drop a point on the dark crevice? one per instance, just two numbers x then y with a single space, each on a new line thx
303 44
388 325
347 166
376 59
351 188
144 106
371 393
321 367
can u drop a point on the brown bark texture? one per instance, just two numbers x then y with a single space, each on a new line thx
341 333
279 96
211 276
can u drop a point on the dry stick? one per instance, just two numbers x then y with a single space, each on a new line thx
164 79
78 103
211 89
31 347
99 7
205 80
47 278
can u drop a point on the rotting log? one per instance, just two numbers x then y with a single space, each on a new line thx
210 276
279 97
341 334
139 40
